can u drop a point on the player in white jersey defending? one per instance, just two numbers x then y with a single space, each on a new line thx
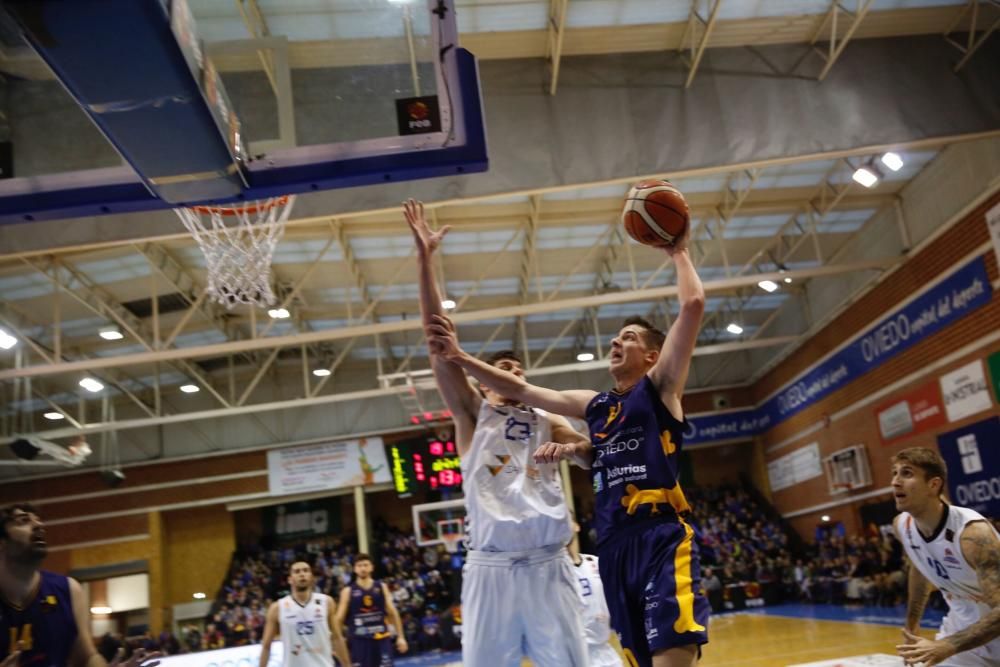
955 550
519 592
305 621
596 618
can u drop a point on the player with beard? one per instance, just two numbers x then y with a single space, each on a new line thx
306 622
44 619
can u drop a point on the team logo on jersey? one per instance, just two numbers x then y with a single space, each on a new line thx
949 557
598 482
614 413
667 442
367 601
504 459
517 430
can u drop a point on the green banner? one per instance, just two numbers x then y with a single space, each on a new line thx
994 364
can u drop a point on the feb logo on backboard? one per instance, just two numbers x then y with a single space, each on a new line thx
418 115
912 413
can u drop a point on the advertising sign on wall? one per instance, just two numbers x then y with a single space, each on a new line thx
802 464
973 457
965 392
915 412
325 466
994 364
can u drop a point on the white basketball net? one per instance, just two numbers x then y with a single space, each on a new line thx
238 257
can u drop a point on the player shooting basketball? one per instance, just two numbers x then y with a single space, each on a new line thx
648 556
43 616
518 590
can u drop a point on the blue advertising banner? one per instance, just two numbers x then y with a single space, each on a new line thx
973 457
958 295
717 426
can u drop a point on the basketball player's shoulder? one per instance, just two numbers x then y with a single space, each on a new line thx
899 523
980 545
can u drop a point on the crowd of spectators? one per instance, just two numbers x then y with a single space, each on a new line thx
749 557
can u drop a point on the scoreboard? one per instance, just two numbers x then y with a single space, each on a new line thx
424 463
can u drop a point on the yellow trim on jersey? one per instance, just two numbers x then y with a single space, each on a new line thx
634 497
682 579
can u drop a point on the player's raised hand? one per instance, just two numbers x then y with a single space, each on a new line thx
918 650
553 452
427 241
442 339
681 244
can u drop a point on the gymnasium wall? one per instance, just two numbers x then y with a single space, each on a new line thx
849 415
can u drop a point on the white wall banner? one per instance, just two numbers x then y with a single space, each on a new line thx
240 656
802 464
328 465
965 391
993 224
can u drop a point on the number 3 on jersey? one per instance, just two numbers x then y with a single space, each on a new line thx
25 639
585 586
938 568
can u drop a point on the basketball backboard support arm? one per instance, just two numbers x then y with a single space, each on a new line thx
458 147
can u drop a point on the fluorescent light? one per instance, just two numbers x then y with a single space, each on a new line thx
190 388
92 385
110 333
100 611
279 313
6 340
734 328
321 372
767 285
866 176
585 356
54 416
198 596
825 517
448 304
788 280
892 161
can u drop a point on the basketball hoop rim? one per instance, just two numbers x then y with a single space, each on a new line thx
242 209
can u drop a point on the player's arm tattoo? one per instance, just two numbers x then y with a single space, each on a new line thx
918 590
981 549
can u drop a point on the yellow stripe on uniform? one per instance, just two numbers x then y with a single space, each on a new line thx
682 578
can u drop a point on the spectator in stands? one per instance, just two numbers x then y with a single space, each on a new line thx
713 590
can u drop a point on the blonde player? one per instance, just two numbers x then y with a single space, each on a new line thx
596 619
519 593
955 550
305 620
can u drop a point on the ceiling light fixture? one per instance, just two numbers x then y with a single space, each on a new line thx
6 340
585 356
734 328
54 416
100 611
321 372
866 175
190 388
279 313
768 285
110 333
448 304
892 161
91 385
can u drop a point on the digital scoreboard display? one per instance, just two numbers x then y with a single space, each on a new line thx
424 463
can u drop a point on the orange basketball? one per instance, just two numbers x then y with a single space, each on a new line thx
655 213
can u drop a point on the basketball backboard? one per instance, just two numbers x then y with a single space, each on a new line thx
132 105
440 522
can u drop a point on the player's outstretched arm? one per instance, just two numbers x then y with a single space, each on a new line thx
567 444
444 342
670 372
397 621
337 634
461 399
270 632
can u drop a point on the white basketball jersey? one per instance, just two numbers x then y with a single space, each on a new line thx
596 619
940 560
512 503
305 631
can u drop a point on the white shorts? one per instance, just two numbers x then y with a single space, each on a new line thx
984 656
603 655
521 603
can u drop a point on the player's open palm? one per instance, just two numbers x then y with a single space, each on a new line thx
918 650
427 241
